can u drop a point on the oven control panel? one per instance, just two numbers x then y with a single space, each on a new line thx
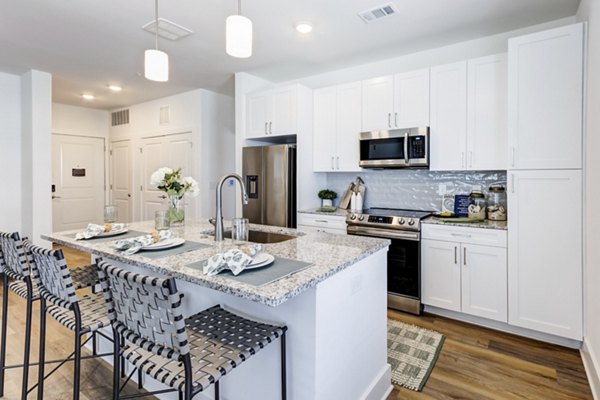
380 220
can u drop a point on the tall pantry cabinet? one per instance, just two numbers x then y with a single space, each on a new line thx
545 187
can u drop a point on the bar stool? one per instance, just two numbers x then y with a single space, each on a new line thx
189 355
16 278
81 314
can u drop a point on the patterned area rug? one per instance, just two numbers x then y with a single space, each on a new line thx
412 353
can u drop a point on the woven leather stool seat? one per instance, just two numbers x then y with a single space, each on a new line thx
85 276
20 289
92 309
219 341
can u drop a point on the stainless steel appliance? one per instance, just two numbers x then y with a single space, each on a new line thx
269 174
403 227
396 148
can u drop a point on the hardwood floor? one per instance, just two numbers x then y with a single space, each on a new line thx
475 363
479 363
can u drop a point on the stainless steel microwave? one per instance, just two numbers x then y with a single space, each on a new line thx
396 148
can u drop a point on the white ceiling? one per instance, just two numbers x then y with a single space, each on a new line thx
87 44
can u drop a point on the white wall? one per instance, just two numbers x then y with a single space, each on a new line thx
80 121
36 125
590 10
10 152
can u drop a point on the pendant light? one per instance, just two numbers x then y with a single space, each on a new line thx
156 62
238 35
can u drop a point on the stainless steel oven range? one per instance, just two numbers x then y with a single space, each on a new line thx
403 228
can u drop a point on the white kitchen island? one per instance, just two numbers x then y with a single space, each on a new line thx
335 311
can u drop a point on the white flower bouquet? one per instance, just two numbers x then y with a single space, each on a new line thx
175 186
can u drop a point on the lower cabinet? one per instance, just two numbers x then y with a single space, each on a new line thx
465 270
322 223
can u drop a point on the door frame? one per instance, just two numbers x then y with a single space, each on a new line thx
110 175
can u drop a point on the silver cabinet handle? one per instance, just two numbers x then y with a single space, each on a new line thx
56 197
455 255
321 220
512 156
396 119
266 130
462 159
389 120
512 183
332 163
338 162
271 128
470 159
465 256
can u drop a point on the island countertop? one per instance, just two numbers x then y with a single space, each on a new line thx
328 254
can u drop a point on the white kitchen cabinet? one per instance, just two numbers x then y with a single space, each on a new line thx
487 113
337 122
321 223
396 101
545 99
448 131
545 251
464 270
469 115
272 113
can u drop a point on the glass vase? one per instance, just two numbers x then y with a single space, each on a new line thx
176 211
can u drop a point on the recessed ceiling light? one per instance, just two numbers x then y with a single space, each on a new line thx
88 96
304 27
115 88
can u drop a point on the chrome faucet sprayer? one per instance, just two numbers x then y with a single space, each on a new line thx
219 218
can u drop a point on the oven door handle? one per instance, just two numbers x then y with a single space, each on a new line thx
386 234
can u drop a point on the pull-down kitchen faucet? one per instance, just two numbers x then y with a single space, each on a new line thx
218 221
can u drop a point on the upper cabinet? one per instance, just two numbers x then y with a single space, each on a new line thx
469 114
337 122
396 101
272 113
545 99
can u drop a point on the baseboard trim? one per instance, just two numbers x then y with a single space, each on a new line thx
381 386
592 368
504 327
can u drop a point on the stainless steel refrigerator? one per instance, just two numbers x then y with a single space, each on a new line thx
270 176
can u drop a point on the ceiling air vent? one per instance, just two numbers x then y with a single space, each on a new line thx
165 115
167 29
379 12
120 117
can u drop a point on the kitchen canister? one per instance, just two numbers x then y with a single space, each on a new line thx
496 207
477 205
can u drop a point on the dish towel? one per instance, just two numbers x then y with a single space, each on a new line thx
133 245
234 260
94 230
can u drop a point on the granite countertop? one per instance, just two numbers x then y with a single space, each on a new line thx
340 212
487 224
328 253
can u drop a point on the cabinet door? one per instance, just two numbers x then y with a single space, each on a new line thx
545 251
448 116
349 123
487 115
324 129
284 111
378 103
484 281
440 274
411 99
258 115
545 99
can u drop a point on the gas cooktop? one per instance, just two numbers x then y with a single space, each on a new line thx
389 218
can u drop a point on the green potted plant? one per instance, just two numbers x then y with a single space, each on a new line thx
327 197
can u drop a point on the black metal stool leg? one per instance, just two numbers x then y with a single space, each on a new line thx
42 358
77 360
116 365
283 369
217 395
94 344
27 341
4 328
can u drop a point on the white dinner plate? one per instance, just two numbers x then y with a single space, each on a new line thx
165 244
112 233
261 260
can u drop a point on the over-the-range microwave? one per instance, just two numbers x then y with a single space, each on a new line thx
396 148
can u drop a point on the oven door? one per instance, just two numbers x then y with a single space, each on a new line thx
403 266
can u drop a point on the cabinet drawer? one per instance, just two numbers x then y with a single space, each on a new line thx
486 237
322 221
317 229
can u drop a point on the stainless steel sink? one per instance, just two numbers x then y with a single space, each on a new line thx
264 237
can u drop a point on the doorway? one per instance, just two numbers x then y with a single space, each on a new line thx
120 182
77 181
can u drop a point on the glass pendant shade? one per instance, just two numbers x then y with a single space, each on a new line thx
156 65
238 36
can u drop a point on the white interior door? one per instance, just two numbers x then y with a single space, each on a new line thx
173 151
120 182
78 179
